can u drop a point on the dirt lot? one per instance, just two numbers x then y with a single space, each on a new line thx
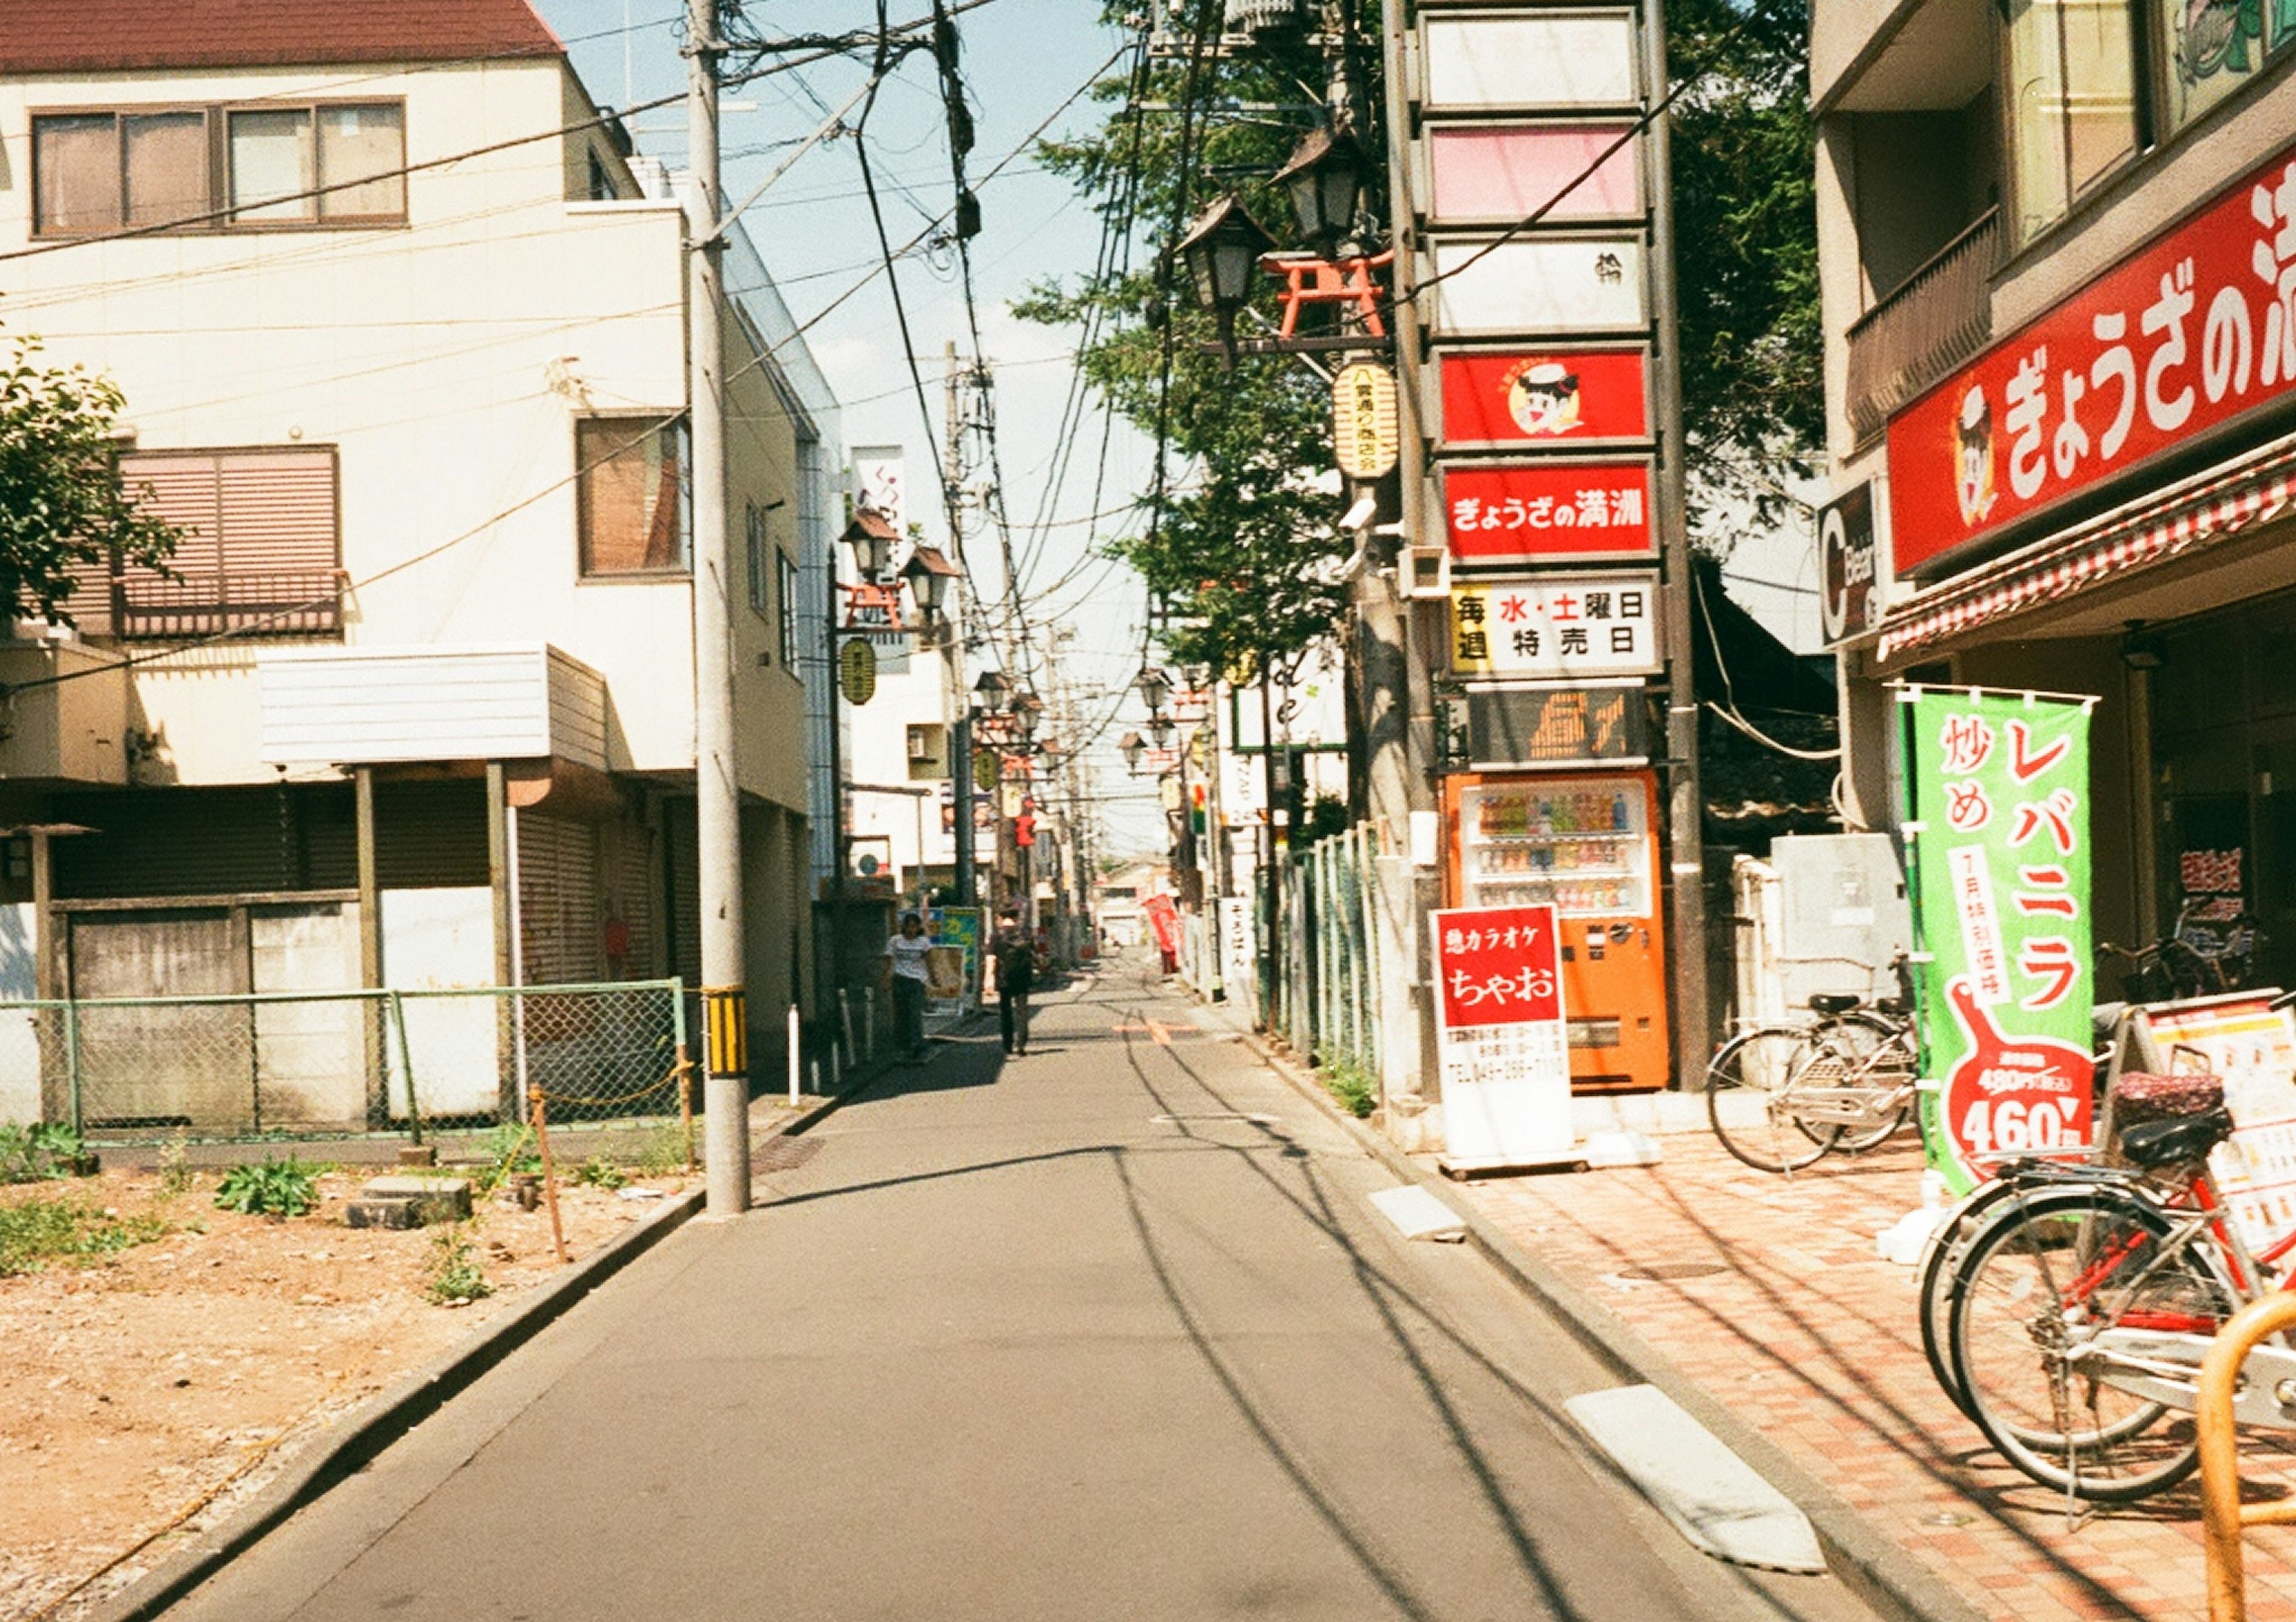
144 1394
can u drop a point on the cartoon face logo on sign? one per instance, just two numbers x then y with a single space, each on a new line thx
1972 446
1543 397
2013 1094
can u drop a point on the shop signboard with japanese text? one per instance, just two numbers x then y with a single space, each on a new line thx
1505 1048
1555 627
2191 332
2000 831
1545 398
1548 512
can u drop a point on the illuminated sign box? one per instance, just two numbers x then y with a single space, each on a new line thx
1552 59
1556 628
1499 175
1491 729
1567 284
1545 398
1549 511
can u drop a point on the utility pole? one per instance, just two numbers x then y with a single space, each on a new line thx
1685 801
960 697
718 796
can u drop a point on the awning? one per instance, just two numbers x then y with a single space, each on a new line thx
2204 511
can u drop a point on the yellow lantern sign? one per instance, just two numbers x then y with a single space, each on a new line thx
1364 438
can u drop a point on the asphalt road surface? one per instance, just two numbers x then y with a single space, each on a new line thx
1106 1332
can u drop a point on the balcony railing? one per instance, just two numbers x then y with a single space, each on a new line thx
296 602
1939 317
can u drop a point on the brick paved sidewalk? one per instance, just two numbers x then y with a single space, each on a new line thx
1805 1332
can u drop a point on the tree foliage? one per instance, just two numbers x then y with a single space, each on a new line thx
1745 220
62 507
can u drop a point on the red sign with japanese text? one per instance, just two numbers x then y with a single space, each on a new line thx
1547 511
2194 331
1545 398
1504 1049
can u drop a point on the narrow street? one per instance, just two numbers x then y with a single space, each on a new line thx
1107 1330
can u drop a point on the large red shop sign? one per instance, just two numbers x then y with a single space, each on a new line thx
2195 330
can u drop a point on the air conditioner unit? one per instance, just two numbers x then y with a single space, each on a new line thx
924 744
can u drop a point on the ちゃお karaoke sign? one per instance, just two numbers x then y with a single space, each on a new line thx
1999 832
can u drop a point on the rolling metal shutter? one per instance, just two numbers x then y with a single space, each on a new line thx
558 932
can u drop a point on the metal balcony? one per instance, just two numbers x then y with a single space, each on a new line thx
1940 317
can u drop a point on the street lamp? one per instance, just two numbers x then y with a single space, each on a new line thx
1324 176
1221 251
1159 727
1132 748
873 539
1154 688
991 689
929 573
1026 708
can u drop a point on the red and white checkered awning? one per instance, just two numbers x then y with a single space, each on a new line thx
2204 511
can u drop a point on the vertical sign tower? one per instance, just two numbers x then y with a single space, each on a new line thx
1543 500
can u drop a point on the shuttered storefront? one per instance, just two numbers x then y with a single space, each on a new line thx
430 835
685 836
291 838
559 924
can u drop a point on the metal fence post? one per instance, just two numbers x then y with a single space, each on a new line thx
406 1069
71 1067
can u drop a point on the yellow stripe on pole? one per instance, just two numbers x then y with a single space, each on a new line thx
726 1033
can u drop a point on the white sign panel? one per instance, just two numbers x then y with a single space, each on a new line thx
881 483
1504 1049
1577 284
1239 949
1558 60
1554 628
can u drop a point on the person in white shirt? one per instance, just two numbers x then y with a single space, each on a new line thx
905 966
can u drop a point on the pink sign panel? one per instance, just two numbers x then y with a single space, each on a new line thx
1547 511
1511 173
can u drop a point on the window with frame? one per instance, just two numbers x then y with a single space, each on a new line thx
260 551
220 168
2071 101
2208 49
633 496
759 546
786 569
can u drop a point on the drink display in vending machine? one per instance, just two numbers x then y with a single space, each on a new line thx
1587 845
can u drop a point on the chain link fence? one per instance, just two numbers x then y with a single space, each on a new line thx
330 1064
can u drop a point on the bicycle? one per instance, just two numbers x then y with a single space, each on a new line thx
2118 1279
1843 1082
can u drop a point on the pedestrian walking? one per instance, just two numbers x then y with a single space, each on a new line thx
905 974
1015 954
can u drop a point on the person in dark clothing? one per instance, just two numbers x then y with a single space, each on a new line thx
1015 956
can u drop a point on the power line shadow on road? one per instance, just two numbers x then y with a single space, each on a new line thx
1390 1300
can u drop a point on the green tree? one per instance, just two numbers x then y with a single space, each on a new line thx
62 507
1745 218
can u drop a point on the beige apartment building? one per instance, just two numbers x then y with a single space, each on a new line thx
401 326
2058 254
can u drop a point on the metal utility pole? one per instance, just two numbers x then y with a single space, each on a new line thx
725 1095
1685 801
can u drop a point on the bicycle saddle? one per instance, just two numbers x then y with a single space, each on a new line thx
2158 1144
1833 1003
1895 1007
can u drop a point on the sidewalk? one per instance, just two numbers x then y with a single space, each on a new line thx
1768 1293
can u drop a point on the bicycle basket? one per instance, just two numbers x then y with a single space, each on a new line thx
2139 1096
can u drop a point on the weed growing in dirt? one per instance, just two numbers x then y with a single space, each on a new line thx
39 1230
454 1273
275 1188
508 1149
599 1172
664 1151
34 1154
175 1173
1349 1083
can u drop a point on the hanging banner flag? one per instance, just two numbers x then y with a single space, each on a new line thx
1505 1048
1999 832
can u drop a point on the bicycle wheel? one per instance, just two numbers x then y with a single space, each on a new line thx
2050 1273
1941 1262
1766 1064
1878 1057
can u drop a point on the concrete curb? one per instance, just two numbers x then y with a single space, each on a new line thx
372 1426
1886 1578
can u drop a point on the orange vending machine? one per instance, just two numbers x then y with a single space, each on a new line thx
1588 843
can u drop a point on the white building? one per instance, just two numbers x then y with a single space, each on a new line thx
401 326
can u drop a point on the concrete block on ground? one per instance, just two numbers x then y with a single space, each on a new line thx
410 1202
1417 1214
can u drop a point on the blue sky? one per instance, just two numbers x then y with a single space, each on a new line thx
1022 58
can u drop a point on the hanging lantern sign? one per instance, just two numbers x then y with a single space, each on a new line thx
856 671
1363 435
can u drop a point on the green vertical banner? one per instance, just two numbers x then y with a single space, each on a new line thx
1999 838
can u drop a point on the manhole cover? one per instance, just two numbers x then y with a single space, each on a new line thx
783 1154
1668 1271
